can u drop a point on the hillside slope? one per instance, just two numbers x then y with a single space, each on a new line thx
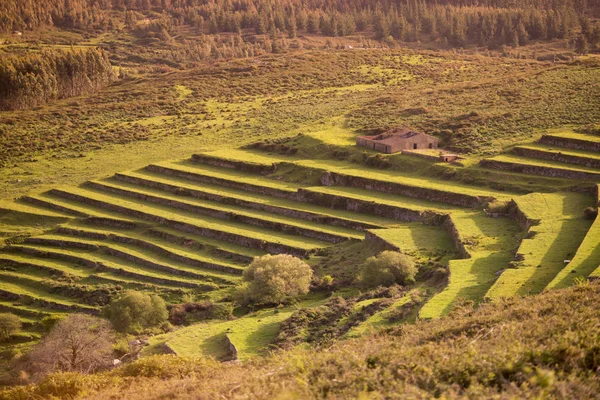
517 348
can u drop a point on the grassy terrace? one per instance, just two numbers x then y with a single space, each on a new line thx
229 175
491 243
251 334
117 264
192 219
560 232
396 200
419 240
559 150
198 252
586 260
146 255
200 245
548 164
36 293
47 201
85 274
377 320
350 169
31 211
231 210
236 194
575 135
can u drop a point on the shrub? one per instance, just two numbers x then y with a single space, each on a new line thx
135 312
78 343
274 279
387 268
590 213
10 325
50 322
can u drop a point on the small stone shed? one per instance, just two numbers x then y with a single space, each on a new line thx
398 139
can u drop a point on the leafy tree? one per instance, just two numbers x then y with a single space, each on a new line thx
78 343
581 45
275 279
136 311
10 325
387 268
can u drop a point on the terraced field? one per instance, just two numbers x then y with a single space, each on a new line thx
191 226
562 154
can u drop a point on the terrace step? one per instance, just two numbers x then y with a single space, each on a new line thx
208 269
395 207
226 212
224 195
14 292
577 157
26 311
229 252
543 168
226 178
571 140
188 222
342 173
58 267
46 201
109 263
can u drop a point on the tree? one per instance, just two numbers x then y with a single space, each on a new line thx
581 45
10 325
275 279
78 343
387 268
136 311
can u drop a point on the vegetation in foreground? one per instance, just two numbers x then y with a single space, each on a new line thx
516 348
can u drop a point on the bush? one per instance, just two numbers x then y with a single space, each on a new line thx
135 312
274 279
590 213
387 268
10 325
78 343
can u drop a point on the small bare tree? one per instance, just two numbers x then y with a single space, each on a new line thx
78 343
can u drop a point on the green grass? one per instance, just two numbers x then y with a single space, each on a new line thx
237 210
230 175
585 261
36 293
203 222
559 150
120 264
258 198
574 135
251 334
491 243
559 234
417 239
544 163
378 320
149 255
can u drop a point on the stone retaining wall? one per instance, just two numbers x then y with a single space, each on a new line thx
539 170
294 213
455 235
48 204
435 195
283 194
233 164
560 157
571 143
176 257
186 227
46 303
184 241
226 215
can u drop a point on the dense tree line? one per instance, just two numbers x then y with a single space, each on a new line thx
37 78
456 22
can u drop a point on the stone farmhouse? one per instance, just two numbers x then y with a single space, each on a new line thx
398 139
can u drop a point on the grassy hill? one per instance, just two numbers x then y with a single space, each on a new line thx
545 348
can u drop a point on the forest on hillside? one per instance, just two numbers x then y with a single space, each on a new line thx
457 22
